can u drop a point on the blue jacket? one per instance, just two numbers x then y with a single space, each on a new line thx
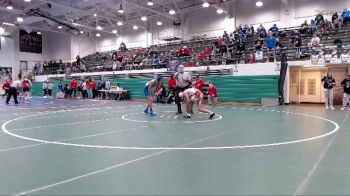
271 42
346 14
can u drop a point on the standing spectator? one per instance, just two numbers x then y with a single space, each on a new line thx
226 37
346 96
212 94
186 51
336 21
78 60
15 86
346 16
80 89
274 29
271 41
183 82
49 88
45 88
45 67
85 89
73 87
155 62
319 19
90 88
261 31
171 88
223 51
328 85
6 87
298 44
36 69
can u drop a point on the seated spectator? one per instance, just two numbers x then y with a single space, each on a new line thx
313 27
155 62
261 31
319 19
212 95
291 37
325 28
240 45
304 28
274 29
346 16
315 41
251 58
186 51
259 44
336 21
144 63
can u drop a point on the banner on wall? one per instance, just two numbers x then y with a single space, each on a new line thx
5 74
30 42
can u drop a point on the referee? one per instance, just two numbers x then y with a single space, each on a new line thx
16 85
183 82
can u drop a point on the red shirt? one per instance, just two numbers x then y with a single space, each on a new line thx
180 52
186 51
73 84
6 85
199 84
213 92
91 85
172 83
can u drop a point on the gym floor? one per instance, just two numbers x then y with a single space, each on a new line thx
71 147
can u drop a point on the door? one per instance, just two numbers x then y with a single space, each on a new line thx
310 85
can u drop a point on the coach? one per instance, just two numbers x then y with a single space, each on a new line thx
183 82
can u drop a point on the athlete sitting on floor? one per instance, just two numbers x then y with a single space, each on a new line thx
148 93
193 95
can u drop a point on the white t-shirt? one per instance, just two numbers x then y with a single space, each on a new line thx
328 57
181 77
314 59
16 84
344 58
84 86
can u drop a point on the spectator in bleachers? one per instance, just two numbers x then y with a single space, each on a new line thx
78 60
212 95
226 37
313 27
346 16
304 28
325 28
315 41
122 47
319 19
274 29
336 21
45 67
155 62
291 37
180 52
240 45
297 45
271 41
261 31
223 51
186 51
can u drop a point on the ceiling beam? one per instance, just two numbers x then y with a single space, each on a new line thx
151 10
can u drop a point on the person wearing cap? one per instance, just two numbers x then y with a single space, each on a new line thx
15 86
193 95
148 93
183 82
346 96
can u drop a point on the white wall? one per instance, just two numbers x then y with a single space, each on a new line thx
81 46
7 52
59 46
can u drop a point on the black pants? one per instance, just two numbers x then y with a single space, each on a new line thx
73 90
12 92
178 90
49 92
6 92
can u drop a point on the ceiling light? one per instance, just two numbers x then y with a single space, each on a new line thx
95 15
219 11
99 28
39 33
81 32
259 3
9 7
172 12
135 27
150 3
159 23
75 24
2 30
8 24
20 19
60 27
121 11
119 23
144 18
28 1
205 4
98 35
114 31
